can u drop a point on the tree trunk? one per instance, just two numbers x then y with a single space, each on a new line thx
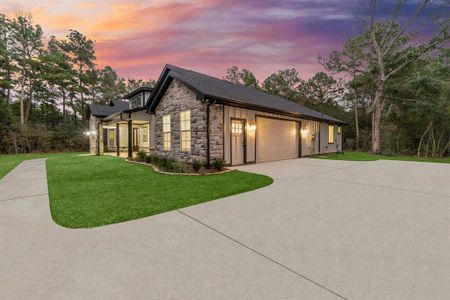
22 96
64 104
376 123
356 121
419 148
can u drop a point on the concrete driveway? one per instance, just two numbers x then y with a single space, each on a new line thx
322 230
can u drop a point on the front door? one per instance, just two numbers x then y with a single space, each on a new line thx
135 139
237 142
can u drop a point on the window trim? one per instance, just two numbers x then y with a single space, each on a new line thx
183 130
331 134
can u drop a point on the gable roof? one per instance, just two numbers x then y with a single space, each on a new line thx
208 87
114 106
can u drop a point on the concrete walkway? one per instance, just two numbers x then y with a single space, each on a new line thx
323 230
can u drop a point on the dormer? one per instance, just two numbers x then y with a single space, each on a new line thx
138 97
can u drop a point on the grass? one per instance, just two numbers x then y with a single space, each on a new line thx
365 156
10 161
92 191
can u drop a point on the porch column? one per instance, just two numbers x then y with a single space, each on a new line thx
117 139
130 139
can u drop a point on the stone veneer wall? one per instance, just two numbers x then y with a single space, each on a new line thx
177 98
93 128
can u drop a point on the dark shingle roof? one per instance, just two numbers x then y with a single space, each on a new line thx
106 110
221 89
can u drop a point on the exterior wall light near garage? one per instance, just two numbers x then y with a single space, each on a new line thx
305 132
251 128
89 133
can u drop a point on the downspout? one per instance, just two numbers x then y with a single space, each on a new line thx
208 156
319 136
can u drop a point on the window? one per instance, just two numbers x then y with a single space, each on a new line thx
166 132
339 129
136 101
111 137
236 127
145 135
330 134
185 129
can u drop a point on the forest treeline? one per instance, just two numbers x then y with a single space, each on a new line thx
390 86
46 84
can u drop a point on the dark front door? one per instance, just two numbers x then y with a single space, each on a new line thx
135 139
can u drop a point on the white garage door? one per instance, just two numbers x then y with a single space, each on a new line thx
275 139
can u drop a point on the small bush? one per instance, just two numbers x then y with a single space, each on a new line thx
218 164
196 165
140 156
388 152
149 158
177 166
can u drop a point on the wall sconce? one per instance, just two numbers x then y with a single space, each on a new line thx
305 132
251 128
89 133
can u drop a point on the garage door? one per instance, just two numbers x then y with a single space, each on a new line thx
275 139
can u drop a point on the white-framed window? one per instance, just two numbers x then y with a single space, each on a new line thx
330 134
166 132
185 130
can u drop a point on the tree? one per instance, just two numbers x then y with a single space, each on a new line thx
322 91
27 45
390 49
284 83
6 67
111 86
242 77
80 50
352 61
133 84
58 71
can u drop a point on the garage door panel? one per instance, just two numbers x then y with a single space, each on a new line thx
275 139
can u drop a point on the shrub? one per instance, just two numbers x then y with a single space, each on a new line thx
149 158
218 164
140 156
196 165
177 166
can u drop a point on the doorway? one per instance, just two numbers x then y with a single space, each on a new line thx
237 142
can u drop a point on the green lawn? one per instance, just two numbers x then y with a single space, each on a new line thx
365 156
9 162
92 191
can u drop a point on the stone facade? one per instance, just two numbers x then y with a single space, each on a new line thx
178 98
95 134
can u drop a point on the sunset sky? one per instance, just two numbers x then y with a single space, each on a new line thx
138 37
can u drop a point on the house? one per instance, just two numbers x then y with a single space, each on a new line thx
192 116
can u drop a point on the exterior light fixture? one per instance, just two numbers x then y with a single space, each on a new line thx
89 133
305 132
251 128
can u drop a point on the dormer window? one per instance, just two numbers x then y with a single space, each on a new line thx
136 101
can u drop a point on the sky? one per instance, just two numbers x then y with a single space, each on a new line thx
137 38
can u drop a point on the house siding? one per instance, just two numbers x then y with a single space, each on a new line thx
309 142
326 147
177 98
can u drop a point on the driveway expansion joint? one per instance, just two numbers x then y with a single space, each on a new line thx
17 198
262 255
